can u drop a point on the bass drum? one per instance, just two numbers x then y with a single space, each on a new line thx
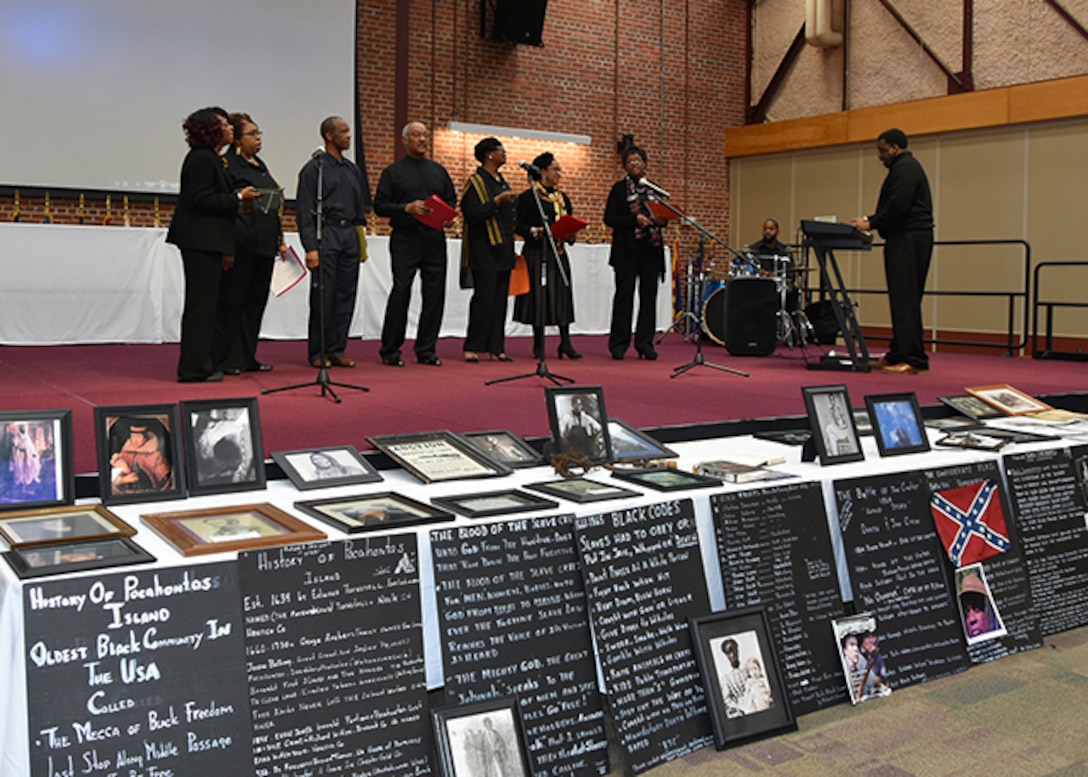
714 314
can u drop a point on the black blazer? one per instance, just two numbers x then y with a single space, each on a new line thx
618 215
204 217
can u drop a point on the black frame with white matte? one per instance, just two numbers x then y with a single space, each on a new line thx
451 723
818 418
304 482
882 434
557 395
196 462
166 417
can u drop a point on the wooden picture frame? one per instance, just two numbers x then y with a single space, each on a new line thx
491 503
898 425
666 479
1008 400
972 407
579 422
239 527
505 447
582 490
460 733
54 525
438 456
370 512
63 558
832 422
631 444
223 450
745 689
139 453
334 465
36 459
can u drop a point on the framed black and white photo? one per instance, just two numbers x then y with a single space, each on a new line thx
368 512
42 560
629 444
505 447
666 479
338 465
972 407
437 456
746 694
579 422
832 423
897 423
481 740
223 450
66 523
1008 400
239 527
36 461
582 490
139 453
492 503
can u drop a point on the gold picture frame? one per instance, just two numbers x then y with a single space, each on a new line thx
221 529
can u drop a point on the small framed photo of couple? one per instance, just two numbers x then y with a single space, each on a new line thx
834 432
36 459
475 740
339 465
139 453
744 686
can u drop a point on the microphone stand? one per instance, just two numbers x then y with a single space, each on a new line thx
540 296
322 378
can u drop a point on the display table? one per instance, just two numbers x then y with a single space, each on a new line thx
67 285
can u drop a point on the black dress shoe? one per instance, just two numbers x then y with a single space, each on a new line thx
617 355
232 371
647 353
215 377
566 349
258 367
430 360
392 361
502 357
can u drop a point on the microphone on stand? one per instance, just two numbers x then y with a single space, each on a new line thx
317 153
531 169
654 188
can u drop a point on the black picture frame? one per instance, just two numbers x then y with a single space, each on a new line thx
579 422
972 407
745 689
631 444
582 490
505 447
333 465
491 503
139 453
36 459
60 524
464 733
438 456
666 479
898 425
832 422
44 560
359 513
223 450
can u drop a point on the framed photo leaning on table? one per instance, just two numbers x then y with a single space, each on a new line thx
472 738
832 422
339 465
1008 400
438 456
43 560
629 444
897 423
579 423
666 479
51 525
492 503
139 453
505 447
223 450
36 462
367 512
582 490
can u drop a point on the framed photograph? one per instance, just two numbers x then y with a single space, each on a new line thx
978 610
832 422
477 740
953 424
241 527
666 479
339 465
43 560
746 695
629 444
438 456
36 463
492 503
582 490
139 453
366 512
223 450
862 661
897 423
50 525
579 422
1008 400
972 407
505 447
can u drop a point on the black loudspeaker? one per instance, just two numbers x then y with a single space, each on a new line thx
519 21
751 313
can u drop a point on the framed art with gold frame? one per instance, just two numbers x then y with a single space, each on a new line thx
1008 400
220 529
52 525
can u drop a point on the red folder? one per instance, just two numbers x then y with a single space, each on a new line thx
440 213
662 212
567 226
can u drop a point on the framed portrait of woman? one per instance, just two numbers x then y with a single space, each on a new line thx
139 453
832 422
36 462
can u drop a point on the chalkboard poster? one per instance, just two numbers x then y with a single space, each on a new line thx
1043 488
138 675
512 612
775 551
644 578
334 658
899 573
1006 574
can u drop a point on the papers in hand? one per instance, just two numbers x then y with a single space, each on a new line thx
440 213
287 270
567 226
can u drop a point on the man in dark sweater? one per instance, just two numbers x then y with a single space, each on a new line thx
904 218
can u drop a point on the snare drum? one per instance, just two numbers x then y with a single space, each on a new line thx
743 266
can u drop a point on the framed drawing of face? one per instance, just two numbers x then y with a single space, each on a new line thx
579 422
897 423
832 424
139 453
339 465
219 529
223 450
36 462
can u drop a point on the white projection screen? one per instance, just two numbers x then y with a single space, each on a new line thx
94 91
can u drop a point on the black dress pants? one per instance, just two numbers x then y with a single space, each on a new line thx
906 264
487 311
641 266
411 253
243 296
334 286
203 270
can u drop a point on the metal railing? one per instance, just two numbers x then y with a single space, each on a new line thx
1047 351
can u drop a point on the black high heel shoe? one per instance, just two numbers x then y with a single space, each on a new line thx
502 357
647 353
566 349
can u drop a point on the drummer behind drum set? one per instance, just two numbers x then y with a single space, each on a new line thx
771 258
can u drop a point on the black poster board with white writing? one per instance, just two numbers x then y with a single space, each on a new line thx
1006 573
512 614
644 578
775 551
139 674
898 572
1043 489
334 658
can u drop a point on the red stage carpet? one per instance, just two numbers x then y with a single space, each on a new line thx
418 398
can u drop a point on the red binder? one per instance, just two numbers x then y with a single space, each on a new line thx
440 213
567 226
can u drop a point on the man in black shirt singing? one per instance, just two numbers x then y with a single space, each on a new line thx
402 195
904 218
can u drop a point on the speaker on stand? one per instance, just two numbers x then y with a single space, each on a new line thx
751 316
